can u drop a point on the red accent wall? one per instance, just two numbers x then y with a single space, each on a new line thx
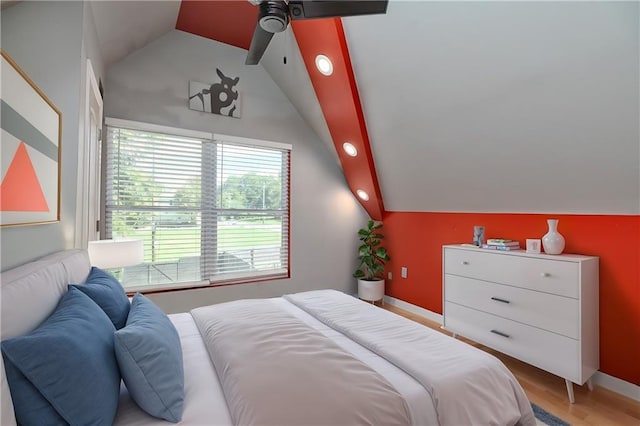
415 240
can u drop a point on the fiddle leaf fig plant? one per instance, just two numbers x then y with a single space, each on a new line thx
371 255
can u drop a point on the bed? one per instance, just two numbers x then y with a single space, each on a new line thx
258 361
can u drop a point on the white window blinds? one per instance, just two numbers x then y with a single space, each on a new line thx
208 211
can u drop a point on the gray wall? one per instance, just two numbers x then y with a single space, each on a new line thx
51 42
44 39
151 85
90 45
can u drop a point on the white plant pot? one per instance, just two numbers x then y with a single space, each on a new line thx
371 291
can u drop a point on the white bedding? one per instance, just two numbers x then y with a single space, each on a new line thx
204 400
418 399
276 370
467 385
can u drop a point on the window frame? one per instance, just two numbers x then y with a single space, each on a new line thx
213 138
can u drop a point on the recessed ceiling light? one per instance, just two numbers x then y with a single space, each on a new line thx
363 195
350 149
324 65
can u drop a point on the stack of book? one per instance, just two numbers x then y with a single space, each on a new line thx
501 244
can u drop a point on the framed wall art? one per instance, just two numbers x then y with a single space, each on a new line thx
30 141
221 98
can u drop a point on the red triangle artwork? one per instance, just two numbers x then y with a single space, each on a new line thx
20 189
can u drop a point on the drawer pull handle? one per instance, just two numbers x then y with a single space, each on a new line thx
464 262
499 333
497 299
545 274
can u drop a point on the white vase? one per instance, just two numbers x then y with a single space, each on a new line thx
553 241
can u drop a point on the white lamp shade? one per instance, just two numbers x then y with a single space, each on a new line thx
119 253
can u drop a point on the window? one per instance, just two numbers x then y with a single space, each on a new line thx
210 209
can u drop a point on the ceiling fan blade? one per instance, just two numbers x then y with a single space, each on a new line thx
259 43
308 9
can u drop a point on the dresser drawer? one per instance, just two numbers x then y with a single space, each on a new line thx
549 351
547 275
547 311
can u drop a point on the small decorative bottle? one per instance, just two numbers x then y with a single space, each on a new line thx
478 236
553 241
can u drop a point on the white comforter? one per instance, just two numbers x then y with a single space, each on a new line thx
205 403
467 385
276 370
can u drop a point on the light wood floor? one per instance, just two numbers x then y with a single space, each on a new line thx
600 407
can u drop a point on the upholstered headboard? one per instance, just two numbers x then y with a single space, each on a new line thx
29 294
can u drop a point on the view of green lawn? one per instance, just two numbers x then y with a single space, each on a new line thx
174 243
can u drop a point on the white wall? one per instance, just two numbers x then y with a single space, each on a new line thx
151 85
44 39
502 106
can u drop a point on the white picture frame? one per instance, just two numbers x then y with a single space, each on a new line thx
534 245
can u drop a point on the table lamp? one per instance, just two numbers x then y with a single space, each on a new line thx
110 254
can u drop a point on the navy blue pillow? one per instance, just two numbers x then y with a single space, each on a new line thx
150 358
65 371
104 289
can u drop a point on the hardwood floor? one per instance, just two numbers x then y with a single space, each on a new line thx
600 407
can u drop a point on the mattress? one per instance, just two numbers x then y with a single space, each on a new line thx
204 398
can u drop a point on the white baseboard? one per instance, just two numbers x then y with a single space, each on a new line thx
617 385
614 384
430 315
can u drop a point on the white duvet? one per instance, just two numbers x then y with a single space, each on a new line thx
205 403
467 386
276 370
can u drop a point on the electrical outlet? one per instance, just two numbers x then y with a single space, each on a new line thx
403 272
389 275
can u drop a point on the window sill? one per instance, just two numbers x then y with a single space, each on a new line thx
157 289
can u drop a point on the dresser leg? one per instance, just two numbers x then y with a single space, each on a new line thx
572 398
590 384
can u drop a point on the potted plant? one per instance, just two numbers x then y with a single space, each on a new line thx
372 256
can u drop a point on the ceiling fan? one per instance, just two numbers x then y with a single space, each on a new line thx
274 17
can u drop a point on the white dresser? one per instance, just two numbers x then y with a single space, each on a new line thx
539 308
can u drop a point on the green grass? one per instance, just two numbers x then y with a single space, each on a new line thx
174 243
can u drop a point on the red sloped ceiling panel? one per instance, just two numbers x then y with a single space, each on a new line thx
340 102
230 22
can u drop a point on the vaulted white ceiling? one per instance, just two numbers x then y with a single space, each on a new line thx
472 106
502 106
125 26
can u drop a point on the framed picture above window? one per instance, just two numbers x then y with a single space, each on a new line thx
211 209
30 151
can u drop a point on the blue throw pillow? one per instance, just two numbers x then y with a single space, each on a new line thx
150 358
65 371
104 289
